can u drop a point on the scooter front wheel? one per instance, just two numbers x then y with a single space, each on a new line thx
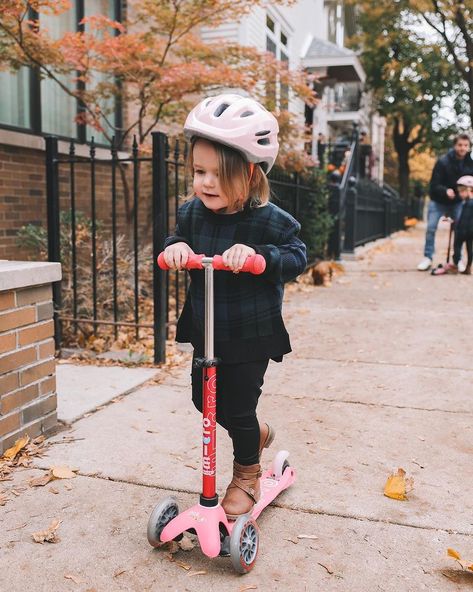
162 514
244 544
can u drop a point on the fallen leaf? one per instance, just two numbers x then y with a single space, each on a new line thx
398 485
197 573
41 481
62 472
294 541
75 579
53 490
454 554
49 535
191 467
68 486
172 547
186 544
183 565
308 536
249 587
15 449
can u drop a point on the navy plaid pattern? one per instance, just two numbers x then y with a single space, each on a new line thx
248 321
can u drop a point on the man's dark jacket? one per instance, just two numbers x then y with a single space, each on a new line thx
447 170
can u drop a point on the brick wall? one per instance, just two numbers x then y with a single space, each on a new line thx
28 397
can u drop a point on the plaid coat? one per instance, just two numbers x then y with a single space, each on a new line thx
247 308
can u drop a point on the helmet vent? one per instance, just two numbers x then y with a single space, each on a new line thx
263 141
263 133
247 114
220 109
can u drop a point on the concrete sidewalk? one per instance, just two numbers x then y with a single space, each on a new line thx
380 378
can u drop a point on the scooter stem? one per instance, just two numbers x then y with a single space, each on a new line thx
209 393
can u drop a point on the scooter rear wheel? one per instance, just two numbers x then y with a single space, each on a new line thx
244 544
162 514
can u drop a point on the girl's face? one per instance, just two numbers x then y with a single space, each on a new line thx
206 182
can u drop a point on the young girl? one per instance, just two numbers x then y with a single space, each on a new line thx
233 146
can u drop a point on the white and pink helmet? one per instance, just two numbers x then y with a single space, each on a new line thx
238 122
466 181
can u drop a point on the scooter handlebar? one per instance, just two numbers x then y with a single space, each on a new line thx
254 264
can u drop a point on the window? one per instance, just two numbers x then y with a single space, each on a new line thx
41 106
14 98
277 43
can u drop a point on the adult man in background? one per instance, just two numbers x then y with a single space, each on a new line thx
444 200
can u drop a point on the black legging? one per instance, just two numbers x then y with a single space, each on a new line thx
461 238
238 391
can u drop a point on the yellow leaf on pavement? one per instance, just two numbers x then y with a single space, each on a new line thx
398 485
454 554
15 449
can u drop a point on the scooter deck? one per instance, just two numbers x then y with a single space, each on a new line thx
206 521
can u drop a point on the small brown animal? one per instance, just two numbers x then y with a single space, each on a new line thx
323 271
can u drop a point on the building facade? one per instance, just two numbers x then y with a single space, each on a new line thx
312 34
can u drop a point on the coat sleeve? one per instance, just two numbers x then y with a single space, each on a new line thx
286 259
181 232
438 182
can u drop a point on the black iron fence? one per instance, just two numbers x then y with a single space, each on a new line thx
362 209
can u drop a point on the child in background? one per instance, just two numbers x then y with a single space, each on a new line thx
463 227
233 146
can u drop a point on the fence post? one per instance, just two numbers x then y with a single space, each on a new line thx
350 216
334 241
54 233
160 219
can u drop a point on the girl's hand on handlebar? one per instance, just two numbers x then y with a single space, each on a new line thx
235 256
176 255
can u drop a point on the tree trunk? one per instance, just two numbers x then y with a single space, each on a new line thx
402 147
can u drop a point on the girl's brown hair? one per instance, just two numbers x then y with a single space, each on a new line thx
237 182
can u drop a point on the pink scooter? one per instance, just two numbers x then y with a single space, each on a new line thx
217 535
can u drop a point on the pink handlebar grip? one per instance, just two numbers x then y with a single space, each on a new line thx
254 264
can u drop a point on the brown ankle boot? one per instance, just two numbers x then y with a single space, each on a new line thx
266 437
467 270
243 491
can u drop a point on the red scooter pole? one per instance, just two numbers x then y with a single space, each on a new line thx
254 264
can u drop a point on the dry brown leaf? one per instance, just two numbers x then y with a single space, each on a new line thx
15 449
41 481
398 485
75 579
53 490
202 572
172 547
185 566
3 499
186 544
49 535
62 472
68 486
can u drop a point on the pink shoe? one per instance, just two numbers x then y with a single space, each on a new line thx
447 268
